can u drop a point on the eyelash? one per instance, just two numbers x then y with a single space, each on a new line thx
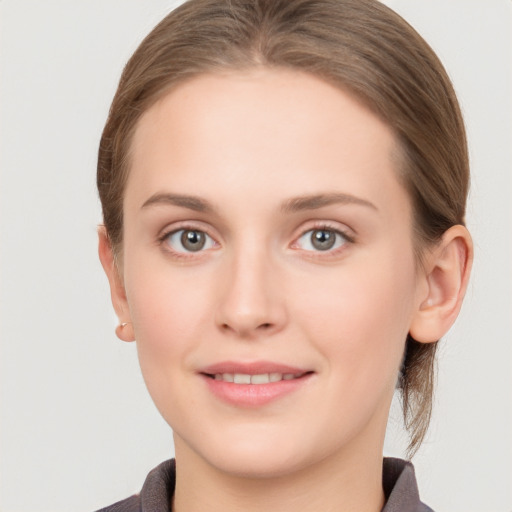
185 228
329 252
346 239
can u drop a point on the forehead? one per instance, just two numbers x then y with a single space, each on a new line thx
288 128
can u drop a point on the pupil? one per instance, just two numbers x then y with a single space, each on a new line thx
322 239
193 240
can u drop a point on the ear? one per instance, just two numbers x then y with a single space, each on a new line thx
446 275
124 330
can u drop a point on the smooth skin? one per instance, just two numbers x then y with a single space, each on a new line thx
256 168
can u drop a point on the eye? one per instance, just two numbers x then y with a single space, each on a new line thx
188 240
323 239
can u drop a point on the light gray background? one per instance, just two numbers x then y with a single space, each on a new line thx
78 429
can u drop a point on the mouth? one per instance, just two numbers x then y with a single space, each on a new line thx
257 379
254 384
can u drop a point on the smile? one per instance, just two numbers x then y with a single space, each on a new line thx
249 385
262 378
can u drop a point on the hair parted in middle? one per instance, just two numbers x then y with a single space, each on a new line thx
360 46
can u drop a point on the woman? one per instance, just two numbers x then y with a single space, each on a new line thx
283 187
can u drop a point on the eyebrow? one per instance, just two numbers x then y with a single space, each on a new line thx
313 202
191 202
296 204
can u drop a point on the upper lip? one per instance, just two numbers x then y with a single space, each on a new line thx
251 368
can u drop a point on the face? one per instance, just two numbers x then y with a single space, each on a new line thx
269 270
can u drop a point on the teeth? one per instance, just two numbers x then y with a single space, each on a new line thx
260 379
241 378
263 378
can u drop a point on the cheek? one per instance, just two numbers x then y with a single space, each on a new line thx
360 316
168 312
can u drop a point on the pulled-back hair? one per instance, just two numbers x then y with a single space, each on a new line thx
360 46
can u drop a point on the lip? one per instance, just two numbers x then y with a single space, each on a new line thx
252 368
253 395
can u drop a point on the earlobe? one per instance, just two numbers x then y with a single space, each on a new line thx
447 269
124 331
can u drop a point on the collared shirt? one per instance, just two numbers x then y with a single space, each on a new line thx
398 481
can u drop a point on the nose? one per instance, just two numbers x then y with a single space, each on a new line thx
251 299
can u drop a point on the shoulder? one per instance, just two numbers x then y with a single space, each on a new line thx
131 504
400 487
156 494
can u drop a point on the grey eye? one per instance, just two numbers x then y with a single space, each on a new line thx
321 240
193 240
189 240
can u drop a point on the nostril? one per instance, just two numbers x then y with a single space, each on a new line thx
244 326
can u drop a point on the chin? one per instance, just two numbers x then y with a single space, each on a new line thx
247 462
256 453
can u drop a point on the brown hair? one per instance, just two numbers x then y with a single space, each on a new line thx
360 46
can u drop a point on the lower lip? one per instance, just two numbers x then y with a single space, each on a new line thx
254 395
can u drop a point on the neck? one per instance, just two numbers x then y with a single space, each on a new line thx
347 482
